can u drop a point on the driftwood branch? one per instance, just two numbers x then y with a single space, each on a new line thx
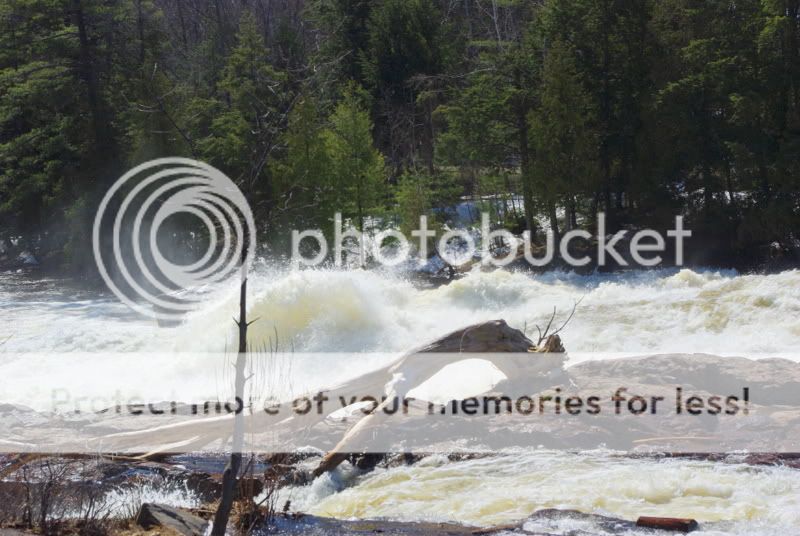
546 335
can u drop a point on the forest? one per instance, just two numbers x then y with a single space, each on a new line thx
398 108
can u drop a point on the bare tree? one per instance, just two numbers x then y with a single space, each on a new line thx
552 342
229 476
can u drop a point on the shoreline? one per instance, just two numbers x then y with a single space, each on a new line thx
196 474
424 280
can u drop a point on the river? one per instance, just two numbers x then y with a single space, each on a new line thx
636 312
633 313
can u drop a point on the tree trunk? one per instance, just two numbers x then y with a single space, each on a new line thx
605 120
179 5
551 211
494 337
140 31
708 193
525 165
86 72
429 150
234 465
572 217
731 190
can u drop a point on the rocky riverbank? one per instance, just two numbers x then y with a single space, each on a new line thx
114 490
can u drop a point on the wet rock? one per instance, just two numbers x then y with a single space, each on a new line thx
493 336
249 488
318 526
552 345
399 460
278 472
367 461
771 458
209 487
292 458
158 515
574 523
206 487
294 477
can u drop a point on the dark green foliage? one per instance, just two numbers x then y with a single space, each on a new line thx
357 171
396 108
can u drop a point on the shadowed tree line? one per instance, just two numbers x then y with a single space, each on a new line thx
397 108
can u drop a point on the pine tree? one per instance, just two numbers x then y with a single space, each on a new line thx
487 118
562 132
345 38
405 48
246 114
302 181
414 199
357 167
59 141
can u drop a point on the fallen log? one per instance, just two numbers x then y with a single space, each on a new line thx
667 523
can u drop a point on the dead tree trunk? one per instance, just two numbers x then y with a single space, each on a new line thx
234 465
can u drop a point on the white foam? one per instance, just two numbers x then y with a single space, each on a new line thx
735 499
657 311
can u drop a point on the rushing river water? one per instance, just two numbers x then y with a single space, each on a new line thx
634 313
327 311
737 498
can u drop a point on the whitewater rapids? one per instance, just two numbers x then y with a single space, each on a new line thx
640 312
729 499
633 313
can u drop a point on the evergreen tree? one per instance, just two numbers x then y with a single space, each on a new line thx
642 109
564 142
59 143
405 47
302 181
246 114
345 36
487 118
357 167
414 199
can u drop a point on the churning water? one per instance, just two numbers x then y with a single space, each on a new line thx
644 312
638 312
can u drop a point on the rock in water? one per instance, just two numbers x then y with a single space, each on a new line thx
158 515
492 336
